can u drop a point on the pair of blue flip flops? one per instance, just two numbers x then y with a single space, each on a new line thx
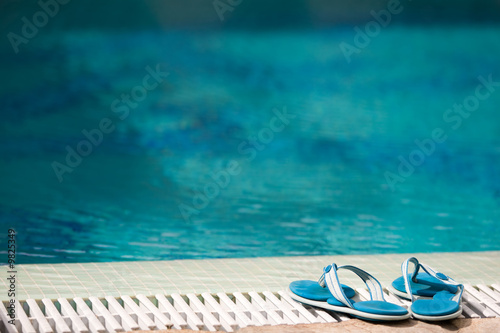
434 295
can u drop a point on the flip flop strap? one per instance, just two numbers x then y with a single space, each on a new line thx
429 270
331 279
445 279
404 270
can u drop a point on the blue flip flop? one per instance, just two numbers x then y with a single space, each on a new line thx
434 295
341 298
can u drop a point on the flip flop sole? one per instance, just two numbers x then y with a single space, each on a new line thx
405 296
438 318
344 309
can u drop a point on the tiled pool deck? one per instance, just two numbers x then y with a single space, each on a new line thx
229 275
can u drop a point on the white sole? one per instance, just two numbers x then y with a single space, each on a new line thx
344 309
438 318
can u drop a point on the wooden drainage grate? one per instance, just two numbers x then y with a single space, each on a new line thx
223 311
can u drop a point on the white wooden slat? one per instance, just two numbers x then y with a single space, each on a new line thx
364 294
67 310
37 314
405 303
481 297
160 319
495 294
490 292
318 317
144 321
266 308
267 311
208 319
496 287
5 318
83 310
110 322
299 307
393 299
77 324
329 318
484 296
194 322
227 321
339 316
476 306
165 306
284 307
127 322
51 311
270 306
254 311
468 312
240 313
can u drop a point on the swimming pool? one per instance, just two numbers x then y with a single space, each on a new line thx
198 168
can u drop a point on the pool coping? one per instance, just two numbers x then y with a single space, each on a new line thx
37 281
356 325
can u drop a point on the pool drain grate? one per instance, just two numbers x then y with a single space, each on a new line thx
211 312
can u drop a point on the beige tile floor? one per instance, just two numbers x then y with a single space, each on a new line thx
356 325
229 275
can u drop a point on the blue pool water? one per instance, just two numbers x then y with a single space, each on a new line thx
316 185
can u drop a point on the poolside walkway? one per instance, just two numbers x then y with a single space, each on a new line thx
230 275
184 291
356 325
